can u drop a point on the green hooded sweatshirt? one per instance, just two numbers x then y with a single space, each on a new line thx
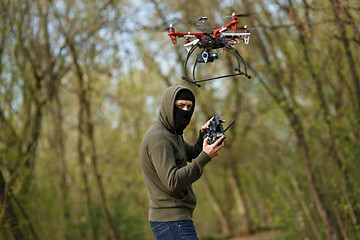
170 165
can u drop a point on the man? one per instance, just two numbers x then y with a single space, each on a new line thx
167 174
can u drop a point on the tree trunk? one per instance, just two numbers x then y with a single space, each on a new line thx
81 148
299 195
7 212
83 170
304 39
224 225
278 94
85 111
60 147
93 156
352 63
234 182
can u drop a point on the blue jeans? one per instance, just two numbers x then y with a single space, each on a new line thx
177 230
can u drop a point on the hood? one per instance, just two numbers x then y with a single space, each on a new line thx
166 113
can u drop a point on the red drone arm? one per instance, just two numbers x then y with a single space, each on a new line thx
234 22
173 35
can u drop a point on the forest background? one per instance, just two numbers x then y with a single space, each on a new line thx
81 81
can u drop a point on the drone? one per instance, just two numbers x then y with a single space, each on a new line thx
209 43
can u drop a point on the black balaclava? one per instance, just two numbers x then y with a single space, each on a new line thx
182 118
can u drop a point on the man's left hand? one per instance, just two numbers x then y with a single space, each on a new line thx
204 127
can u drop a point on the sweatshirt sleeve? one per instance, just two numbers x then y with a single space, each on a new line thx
173 177
193 150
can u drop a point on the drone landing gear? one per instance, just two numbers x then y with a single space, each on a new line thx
205 57
214 78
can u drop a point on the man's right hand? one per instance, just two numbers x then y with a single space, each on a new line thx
213 149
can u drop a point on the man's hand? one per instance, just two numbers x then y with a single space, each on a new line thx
213 149
204 127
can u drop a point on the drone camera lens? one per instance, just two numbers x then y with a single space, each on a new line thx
214 55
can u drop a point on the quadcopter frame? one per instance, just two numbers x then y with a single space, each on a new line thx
209 41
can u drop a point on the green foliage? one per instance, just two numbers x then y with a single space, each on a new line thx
80 84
